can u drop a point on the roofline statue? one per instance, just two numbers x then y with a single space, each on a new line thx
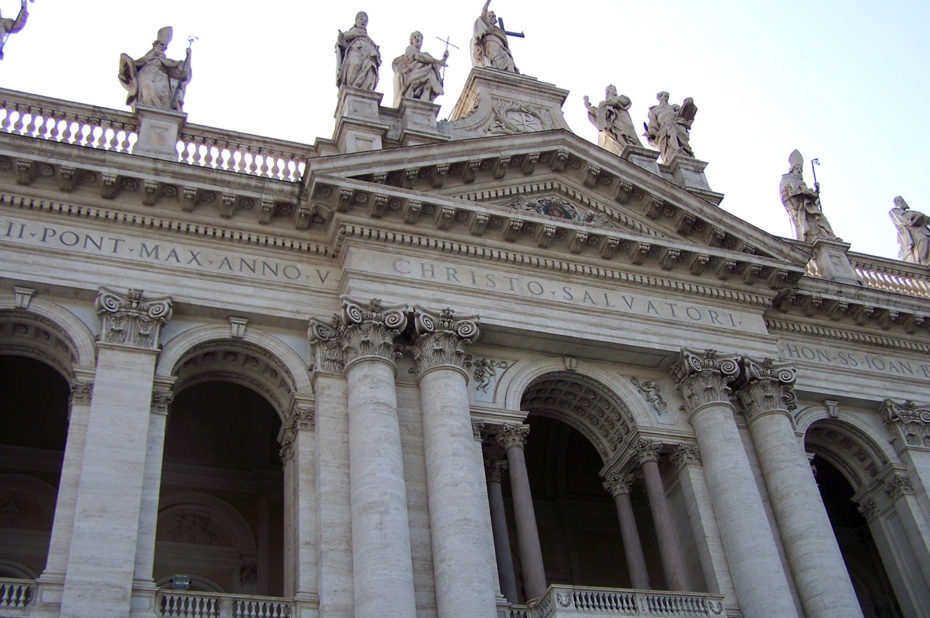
154 79
613 122
12 26
489 46
913 233
803 204
357 56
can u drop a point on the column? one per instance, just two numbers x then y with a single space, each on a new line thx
647 452
513 438
300 519
760 581
455 481
381 562
101 562
505 570
143 585
813 553
618 486
710 552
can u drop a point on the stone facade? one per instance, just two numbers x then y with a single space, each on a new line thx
469 367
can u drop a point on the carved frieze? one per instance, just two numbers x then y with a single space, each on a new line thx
484 370
513 436
441 338
651 392
907 422
766 386
360 331
704 377
131 320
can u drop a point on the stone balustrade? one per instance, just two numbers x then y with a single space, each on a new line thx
892 275
61 121
242 153
183 604
55 120
562 600
15 595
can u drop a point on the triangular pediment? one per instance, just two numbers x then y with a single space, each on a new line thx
554 179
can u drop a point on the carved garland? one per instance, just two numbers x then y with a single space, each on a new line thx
130 320
441 339
767 387
704 378
361 331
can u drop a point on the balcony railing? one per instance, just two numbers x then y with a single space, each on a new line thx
101 128
16 594
892 275
216 605
576 600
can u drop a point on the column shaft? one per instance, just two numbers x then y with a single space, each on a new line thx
669 550
508 577
632 548
758 576
455 481
534 574
813 553
382 565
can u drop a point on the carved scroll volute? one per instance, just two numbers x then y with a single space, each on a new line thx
131 320
766 387
441 339
908 423
370 329
325 347
704 378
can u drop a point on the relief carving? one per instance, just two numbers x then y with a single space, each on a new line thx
131 320
359 331
704 378
907 422
441 338
766 386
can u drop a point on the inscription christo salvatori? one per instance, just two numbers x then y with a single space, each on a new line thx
79 240
584 296
849 360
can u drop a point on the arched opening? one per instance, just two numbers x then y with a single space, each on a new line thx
221 505
33 431
863 562
576 425
844 462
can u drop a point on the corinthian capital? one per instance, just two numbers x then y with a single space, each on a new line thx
617 484
703 378
441 339
907 422
131 320
513 435
360 331
766 387
647 450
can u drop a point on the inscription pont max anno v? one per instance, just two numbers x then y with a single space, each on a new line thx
73 239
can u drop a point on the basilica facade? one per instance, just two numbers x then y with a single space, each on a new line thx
467 367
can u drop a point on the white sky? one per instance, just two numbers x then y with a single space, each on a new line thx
845 81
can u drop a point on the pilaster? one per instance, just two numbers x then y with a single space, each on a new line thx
112 486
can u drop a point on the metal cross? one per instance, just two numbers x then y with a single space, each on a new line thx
500 22
449 44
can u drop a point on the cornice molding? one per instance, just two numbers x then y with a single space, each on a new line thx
775 325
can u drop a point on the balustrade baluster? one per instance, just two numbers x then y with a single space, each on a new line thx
18 125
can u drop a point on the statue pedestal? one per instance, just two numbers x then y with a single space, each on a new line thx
640 157
496 102
688 173
359 125
418 122
158 132
831 261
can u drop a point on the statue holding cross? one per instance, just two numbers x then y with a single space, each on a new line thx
489 46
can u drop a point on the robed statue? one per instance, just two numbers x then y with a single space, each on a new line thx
417 74
357 56
489 47
154 79
612 119
669 127
803 203
12 26
913 233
